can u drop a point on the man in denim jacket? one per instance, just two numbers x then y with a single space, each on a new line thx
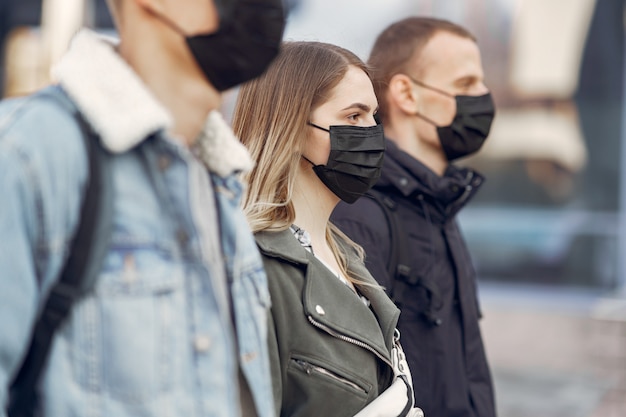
176 322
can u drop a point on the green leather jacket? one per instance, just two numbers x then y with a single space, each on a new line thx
329 353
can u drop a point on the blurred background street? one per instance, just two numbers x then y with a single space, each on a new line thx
555 355
547 232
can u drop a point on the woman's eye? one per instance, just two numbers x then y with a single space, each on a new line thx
354 117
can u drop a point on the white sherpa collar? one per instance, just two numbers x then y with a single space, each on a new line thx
123 111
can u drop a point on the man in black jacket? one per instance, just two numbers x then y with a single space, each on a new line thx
435 108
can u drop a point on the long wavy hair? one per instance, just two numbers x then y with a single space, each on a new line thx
271 118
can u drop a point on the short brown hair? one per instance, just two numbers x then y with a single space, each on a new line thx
398 45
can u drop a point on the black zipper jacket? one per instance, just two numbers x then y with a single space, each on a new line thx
439 314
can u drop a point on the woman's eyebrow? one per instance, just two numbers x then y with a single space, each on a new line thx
361 106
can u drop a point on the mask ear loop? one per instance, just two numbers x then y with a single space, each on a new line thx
428 87
421 116
308 160
320 128
167 21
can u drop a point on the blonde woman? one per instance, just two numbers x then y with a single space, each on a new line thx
309 125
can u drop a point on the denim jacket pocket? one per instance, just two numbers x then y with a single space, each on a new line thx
136 322
255 280
252 302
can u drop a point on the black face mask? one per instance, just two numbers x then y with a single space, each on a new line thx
246 42
355 160
469 128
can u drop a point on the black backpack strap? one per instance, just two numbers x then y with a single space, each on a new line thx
399 262
77 276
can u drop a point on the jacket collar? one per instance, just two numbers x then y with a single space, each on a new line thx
282 245
326 300
447 194
123 111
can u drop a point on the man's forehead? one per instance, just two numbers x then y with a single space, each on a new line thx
449 56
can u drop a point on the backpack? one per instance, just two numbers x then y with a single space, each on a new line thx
399 269
78 274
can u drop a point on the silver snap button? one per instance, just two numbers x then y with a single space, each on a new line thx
319 310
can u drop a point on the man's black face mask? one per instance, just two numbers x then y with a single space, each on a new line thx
469 128
247 41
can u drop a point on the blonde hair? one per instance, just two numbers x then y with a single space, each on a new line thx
270 118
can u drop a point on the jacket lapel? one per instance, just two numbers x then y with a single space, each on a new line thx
327 301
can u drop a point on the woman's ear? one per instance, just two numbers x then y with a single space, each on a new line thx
402 94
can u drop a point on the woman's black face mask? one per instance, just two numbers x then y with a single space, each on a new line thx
355 160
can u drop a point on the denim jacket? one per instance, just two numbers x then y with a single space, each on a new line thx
156 337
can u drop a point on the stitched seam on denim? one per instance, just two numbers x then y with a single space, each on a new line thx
31 180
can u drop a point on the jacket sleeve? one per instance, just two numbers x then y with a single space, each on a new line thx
18 283
365 223
42 173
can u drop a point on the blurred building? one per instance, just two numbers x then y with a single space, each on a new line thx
34 34
550 212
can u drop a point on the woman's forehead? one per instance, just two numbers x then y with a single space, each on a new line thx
354 87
